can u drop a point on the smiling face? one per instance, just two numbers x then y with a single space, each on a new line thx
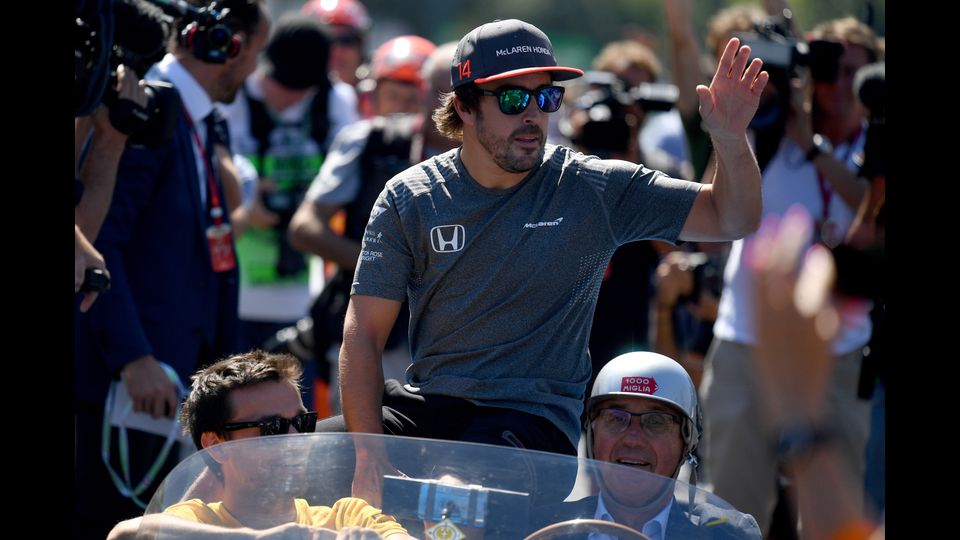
514 142
634 447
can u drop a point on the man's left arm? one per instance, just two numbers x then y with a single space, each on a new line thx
729 207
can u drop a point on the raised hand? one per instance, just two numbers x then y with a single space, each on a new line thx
796 320
729 103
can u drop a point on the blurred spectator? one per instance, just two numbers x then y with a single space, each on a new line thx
813 166
796 322
283 122
394 84
350 25
364 157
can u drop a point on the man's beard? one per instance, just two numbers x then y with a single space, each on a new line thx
511 159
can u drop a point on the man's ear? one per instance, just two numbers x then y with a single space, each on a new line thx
468 117
208 440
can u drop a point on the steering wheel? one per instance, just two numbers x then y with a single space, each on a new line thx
574 526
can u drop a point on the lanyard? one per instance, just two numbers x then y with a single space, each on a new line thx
826 192
124 485
216 211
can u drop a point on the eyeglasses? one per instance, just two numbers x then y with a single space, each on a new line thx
276 425
514 100
654 423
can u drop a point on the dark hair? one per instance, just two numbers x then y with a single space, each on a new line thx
298 51
207 408
849 30
448 120
244 16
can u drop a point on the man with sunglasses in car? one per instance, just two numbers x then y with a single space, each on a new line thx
251 395
643 413
499 247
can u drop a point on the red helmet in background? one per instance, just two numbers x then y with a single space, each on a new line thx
401 58
344 12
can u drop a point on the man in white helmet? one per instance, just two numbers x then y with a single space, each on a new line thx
643 413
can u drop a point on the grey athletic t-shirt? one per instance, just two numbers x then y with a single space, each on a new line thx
502 284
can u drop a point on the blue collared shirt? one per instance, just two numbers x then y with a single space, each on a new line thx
655 529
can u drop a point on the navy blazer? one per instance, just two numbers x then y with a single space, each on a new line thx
164 298
698 520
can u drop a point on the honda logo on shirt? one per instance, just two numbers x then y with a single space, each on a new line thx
447 238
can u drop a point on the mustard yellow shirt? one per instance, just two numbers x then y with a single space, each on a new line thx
346 512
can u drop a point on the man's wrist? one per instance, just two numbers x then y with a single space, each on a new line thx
797 442
727 140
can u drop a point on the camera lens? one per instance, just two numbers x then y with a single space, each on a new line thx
219 36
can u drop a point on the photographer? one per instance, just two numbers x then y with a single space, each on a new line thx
283 122
638 71
688 293
858 258
813 166
101 131
167 242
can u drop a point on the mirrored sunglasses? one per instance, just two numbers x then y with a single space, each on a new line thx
514 100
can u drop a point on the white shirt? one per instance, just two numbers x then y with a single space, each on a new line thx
655 529
341 111
790 179
198 105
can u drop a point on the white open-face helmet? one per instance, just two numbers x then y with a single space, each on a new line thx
653 376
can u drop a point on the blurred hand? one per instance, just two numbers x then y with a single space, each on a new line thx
357 533
674 278
151 390
796 320
85 256
129 87
259 215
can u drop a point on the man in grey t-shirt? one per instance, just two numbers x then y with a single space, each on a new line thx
499 246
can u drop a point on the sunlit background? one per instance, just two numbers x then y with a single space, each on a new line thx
577 28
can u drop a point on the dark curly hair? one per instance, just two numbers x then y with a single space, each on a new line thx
207 408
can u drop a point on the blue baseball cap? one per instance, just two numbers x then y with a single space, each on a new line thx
501 49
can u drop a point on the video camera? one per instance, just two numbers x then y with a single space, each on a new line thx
129 32
612 112
772 41
135 33
647 96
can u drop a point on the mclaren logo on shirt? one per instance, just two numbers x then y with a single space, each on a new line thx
447 238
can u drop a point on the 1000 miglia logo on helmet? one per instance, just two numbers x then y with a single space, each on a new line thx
643 385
